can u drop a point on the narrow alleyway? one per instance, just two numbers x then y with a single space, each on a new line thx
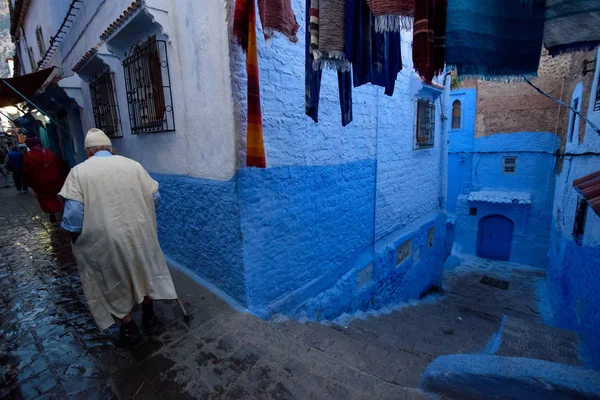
50 347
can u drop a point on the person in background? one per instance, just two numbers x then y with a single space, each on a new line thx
3 170
14 163
110 210
45 174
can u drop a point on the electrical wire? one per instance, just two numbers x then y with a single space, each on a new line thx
562 103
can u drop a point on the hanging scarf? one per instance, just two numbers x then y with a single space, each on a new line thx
244 28
571 26
392 15
494 39
278 16
313 77
375 57
328 49
429 38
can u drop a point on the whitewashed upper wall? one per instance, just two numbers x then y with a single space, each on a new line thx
203 144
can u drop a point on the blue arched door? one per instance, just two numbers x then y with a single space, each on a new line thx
495 237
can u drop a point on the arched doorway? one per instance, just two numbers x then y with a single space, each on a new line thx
495 237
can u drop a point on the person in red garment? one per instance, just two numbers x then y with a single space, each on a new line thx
45 175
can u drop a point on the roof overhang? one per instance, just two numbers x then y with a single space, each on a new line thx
589 188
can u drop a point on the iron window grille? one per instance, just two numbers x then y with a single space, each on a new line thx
148 85
509 165
105 105
425 124
579 225
597 100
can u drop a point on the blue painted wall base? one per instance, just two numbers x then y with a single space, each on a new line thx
297 240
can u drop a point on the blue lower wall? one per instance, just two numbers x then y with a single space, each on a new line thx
574 287
304 227
199 229
296 240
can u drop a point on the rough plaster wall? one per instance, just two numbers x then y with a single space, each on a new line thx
308 219
574 271
46 14
304 226
199 229
516 107
204 143
535 175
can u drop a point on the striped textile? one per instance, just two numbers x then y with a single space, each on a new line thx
392 15
571 25
314 25
331 27
494 39
313 78
244 28
429 38
278 16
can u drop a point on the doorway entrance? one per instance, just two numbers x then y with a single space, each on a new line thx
495 237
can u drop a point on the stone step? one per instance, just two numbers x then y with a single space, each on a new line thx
523 338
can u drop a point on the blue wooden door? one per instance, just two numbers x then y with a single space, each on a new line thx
495 237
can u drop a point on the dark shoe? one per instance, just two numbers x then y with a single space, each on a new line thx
149 320
128 335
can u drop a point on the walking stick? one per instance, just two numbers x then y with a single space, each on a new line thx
186 316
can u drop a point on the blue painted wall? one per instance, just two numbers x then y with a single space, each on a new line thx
574 271
476 164
460 146
199 229
315 234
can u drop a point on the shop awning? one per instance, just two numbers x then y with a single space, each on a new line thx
589 188
27 85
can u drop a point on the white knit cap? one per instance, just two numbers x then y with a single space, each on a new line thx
95 137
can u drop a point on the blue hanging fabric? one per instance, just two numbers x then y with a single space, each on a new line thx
494 39
376 57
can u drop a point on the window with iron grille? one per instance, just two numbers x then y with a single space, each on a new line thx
509 165
40 41
148 85
456 114
579 225
425 124
105 105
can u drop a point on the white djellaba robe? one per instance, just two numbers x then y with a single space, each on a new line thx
118 255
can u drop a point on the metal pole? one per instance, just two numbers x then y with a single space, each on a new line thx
30 102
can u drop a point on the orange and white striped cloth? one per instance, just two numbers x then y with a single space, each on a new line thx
244 28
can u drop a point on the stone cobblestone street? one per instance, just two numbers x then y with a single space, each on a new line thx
51 349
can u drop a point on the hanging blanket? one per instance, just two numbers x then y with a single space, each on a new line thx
571 25
313 77
493 39
329 29
429 38
375 57
278 16
392 15
244 28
